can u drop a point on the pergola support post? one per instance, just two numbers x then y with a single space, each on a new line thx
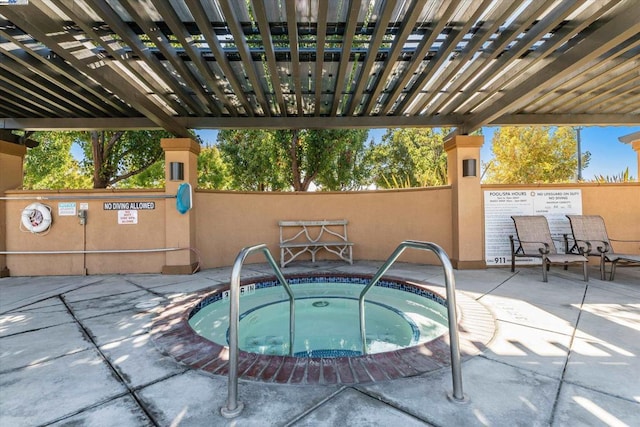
635 144
181 165
463 169
11 165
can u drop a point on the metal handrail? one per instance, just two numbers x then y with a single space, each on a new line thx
456 370
234 407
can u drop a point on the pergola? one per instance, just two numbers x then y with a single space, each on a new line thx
180 65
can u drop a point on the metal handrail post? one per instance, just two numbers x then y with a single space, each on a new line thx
456 369
234 407
287 288
375 279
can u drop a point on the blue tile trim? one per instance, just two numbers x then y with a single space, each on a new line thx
328 353
352 280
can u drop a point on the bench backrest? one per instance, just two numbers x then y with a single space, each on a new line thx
313 231
318 223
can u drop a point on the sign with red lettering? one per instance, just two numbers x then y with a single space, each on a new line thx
127 217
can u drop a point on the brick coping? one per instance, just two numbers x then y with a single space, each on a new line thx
173 335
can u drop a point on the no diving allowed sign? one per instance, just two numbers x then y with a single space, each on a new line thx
128 206
128 211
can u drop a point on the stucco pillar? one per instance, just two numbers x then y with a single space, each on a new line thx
11 170
636 146
463 166
180 230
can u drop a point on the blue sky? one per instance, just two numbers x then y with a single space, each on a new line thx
609 156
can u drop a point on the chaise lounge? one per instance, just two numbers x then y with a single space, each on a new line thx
589 232
534 240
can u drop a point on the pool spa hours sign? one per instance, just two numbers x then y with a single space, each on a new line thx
498 225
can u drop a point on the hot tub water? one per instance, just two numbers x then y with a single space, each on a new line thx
326 317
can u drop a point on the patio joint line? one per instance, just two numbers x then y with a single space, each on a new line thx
23 307
374 396
35 330
595 390
518 367
151 290
111 399
387 402
94 297
308 411
130 391
566 361
490 291
50 359
535 327
159 380
49 297
109 313
165 298
85 409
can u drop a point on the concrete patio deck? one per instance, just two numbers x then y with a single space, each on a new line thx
76 351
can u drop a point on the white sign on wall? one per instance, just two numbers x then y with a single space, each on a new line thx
128 217
500 205
67 209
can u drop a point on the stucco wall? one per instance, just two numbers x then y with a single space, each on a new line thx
378 221
101 232
225 222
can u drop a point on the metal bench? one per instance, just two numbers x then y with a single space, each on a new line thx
298 237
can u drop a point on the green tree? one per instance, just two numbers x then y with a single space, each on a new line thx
110 158
50 165
331 158
151 177
213 172
349 167
525 155
262 160
253 160
114 156
410 157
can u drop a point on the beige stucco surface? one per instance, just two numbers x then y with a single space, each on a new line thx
225 222
102 232
378 220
